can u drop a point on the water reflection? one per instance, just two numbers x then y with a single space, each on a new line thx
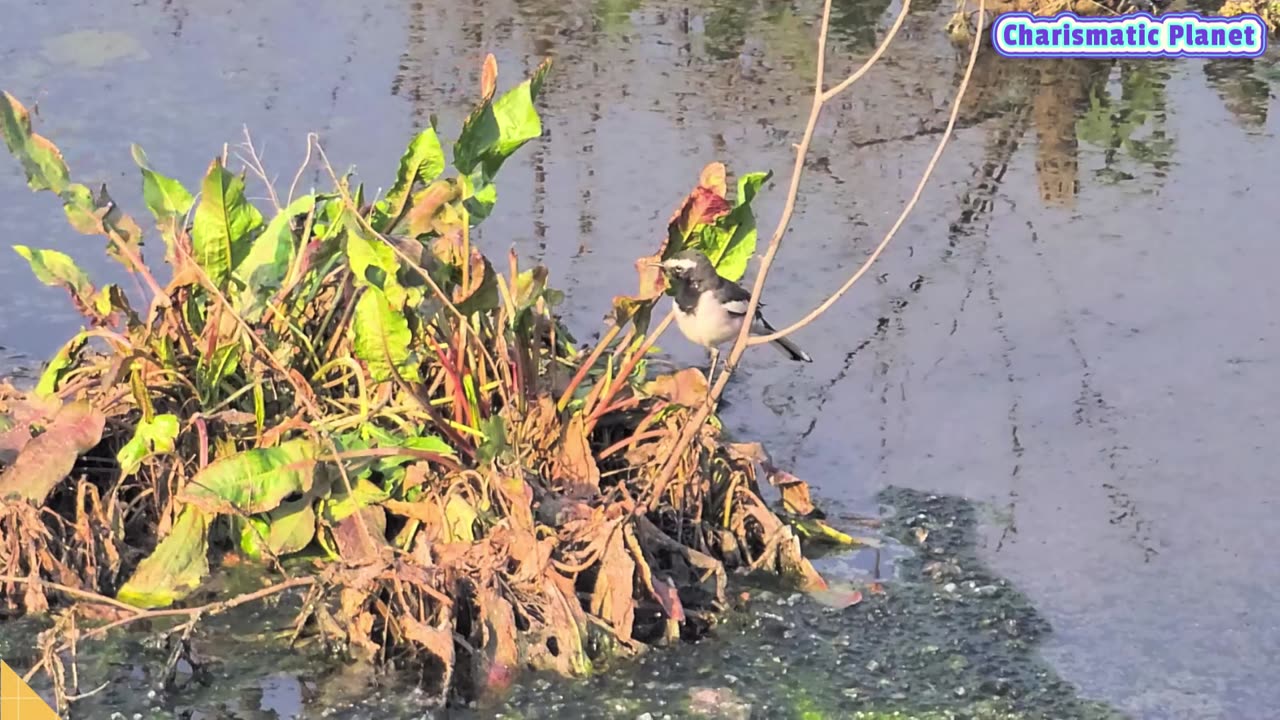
1244 92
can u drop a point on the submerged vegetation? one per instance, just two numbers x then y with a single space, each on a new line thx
400 430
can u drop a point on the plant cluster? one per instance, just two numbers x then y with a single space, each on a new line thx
351 393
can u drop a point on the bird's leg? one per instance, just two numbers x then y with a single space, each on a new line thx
711 372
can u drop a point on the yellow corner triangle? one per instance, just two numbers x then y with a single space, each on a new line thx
18 701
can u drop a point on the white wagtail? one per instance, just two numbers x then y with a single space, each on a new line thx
710 309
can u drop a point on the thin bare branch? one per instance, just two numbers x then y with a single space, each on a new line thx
906 210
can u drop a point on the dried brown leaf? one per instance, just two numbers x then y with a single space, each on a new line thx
355 546
687 387
499 658
575 465
612 597
489 78
669 598
795 496
47 459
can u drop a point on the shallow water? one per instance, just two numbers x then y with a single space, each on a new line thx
1075 328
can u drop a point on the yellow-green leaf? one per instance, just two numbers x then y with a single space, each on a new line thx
149 439
41 160
253 481
166 198
221 233
60 364
287 529
381 337
175 567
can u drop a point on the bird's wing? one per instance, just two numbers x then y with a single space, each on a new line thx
734 298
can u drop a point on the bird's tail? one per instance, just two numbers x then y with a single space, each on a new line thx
792 350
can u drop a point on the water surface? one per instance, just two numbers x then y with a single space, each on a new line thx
1076 328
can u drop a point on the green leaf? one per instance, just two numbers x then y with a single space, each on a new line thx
423 161
480 133
381 336
253 481
269 257
497 129
495 438
167 200
57 269
517 120
212 369
41 160
285 530
373 262
482 195
60 364
221 234
175 567
735 235
149 439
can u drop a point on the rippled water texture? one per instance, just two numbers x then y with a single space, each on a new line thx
1077 327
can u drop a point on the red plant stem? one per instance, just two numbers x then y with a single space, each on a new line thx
629 441
460 409
621 378
586 366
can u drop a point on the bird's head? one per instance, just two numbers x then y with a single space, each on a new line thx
689 267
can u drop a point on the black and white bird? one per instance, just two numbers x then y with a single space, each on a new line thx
710 309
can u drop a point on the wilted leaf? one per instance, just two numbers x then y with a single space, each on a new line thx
428 512
499 658
795 496
428 202
529 286
287 529
575 464
714 177
686 387
221 234
354 544
669 598
46 459
488 77
41 160
149 438
630 309
703 207
436 640
175 567
611 598
57 269
166 198
460 519
480 293
381 337
423 161
253 481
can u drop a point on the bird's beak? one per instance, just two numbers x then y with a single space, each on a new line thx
658 265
